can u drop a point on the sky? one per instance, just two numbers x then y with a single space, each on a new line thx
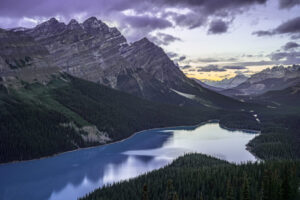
208 39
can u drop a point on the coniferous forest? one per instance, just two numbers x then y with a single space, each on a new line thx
196 176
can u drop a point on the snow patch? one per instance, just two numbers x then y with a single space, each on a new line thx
189 96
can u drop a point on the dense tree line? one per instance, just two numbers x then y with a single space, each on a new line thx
121 114
28 132
197 176
31 116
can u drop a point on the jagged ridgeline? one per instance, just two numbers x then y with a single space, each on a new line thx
95 52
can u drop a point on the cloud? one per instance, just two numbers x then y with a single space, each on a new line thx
291 27
218 27
290 45
287 58
147 22
164 39
288 3
135 18
186 67
172 54
263 33
207 60
211 68
182 58
234 67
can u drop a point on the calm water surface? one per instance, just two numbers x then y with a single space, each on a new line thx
74 174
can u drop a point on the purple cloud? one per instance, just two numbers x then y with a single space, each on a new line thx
291 27
218 27
14 11
163 39
288 3
290 45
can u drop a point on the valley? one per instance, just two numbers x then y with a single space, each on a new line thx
84 114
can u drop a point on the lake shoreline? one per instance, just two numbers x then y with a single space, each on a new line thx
118 141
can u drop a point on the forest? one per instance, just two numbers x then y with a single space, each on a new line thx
32 116
197 176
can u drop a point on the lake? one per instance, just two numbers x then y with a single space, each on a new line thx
74 174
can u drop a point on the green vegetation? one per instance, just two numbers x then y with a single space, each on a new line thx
32 116
197 176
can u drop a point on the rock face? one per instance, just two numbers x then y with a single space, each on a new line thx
93 51
276 78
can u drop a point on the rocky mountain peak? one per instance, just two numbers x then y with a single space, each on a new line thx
93 25
47 28
73 25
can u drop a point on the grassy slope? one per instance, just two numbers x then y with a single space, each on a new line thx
197 176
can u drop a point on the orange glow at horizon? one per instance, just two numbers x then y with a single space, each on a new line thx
218 76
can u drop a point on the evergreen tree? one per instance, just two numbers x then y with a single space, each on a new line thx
245 191
229 191
145 192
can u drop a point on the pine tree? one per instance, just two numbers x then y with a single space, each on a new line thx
145 192
245 191
266 186
229 191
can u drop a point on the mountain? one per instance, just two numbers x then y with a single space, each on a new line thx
227 83
95 52
203 84
276 78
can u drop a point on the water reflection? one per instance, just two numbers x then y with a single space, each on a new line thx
74 174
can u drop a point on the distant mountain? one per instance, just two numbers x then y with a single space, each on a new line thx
203 84
95 52
227 83
276 78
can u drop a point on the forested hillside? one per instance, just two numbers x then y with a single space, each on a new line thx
43 119
197 176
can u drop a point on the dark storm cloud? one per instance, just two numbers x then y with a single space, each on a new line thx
163 39
211 68
139 20
218 27
290 45
288 3
291 26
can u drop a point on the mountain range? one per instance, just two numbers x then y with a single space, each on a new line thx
227 82
276 78
270 79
